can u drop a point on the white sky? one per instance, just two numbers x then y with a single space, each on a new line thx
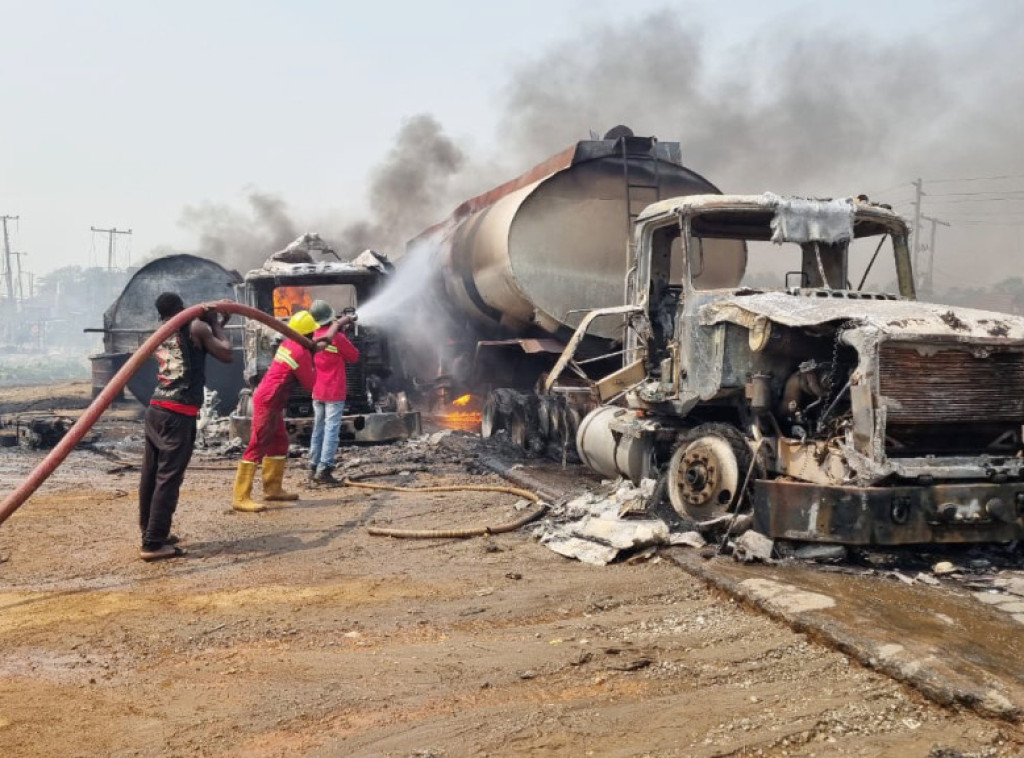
121 113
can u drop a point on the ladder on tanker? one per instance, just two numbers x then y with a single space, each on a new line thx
640 184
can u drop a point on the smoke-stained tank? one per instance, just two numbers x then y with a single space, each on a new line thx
132 318
525 254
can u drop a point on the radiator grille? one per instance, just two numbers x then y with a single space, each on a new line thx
951 386
355 388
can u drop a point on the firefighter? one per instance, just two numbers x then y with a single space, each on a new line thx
328 392
269 439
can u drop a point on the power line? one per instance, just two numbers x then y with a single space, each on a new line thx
976 179
981 192
990 223
983 200
110 243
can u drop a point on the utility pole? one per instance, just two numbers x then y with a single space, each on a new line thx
110 242
918 194
931 252
21 290
8 280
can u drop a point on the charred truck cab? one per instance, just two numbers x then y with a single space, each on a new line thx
373 411
843 414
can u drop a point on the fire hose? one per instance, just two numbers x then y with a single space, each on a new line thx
476 531
74 435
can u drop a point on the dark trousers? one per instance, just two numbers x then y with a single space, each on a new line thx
170 438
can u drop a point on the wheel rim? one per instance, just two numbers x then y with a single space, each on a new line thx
517 431
490 419
703 477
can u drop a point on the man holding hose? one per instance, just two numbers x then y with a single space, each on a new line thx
171 420
328 394
268 442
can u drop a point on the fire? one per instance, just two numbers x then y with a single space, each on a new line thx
465 417
288 300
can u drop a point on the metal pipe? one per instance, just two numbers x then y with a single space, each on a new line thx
75 434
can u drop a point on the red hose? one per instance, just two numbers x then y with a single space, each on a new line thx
74 435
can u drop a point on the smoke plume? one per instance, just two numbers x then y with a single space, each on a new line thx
237 239
797 109
409 190
806 110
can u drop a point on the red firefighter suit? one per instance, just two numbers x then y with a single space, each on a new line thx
269 437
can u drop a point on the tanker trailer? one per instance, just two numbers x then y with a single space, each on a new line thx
132 318
522 262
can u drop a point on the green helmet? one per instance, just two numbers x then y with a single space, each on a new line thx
322 312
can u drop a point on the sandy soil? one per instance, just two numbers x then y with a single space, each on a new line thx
294 633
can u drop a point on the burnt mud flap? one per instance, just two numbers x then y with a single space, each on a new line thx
942 513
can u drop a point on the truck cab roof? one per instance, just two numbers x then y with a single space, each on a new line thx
754 213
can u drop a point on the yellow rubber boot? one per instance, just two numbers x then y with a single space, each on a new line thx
273 478
242 497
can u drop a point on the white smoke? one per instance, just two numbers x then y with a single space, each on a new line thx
408 309
410 289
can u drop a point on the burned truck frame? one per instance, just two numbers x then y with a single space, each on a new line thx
840 415
374 411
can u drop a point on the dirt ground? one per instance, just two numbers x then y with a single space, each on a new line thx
295 633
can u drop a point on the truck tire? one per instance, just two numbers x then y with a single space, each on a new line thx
562 436
707 467
515 413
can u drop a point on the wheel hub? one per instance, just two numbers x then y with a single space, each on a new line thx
699 477
703 477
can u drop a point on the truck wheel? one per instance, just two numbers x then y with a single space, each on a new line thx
705 471
244 407
491 421
508 410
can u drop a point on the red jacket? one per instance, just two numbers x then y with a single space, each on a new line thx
290 360
330 367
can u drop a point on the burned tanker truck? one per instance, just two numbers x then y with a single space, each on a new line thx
522 263
761 353
375 411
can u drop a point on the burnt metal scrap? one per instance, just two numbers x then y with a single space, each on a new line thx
36 431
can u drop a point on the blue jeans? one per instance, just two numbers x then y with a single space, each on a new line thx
323 446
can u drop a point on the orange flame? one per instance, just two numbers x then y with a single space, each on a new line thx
289 300
464 419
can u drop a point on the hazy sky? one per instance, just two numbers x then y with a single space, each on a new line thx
123 113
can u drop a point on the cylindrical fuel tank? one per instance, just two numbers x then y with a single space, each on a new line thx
528 252
131 318
104 367
609 452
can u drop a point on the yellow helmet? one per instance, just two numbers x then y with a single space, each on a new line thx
302 322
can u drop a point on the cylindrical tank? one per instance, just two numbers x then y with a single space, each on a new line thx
555 239
610 452
104 367
129 321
